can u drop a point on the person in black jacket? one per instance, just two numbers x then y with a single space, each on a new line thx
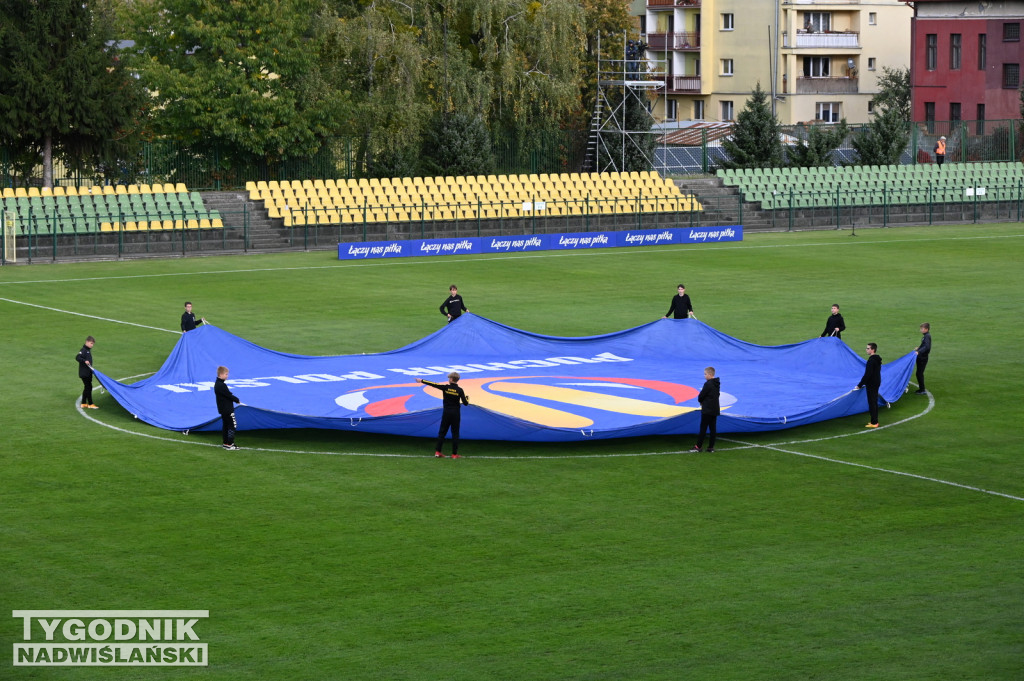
710 408
453 306
451 417
680 307
226 402
188 320
922 351
834 325
872 380
84 359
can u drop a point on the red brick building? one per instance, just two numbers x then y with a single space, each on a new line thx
966 59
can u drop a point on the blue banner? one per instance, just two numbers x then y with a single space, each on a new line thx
538 242
521 385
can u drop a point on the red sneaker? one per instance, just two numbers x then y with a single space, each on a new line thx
456 456
438 455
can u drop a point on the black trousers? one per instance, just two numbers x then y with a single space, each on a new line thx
922 362
872 392
708 421
228 425
449 420
939 158
87 391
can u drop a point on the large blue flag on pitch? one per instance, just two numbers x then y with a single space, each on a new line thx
521 385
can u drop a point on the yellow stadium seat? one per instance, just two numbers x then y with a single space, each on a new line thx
169 188
180 188
204 223
133 189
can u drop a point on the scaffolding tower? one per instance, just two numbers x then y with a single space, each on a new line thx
620 82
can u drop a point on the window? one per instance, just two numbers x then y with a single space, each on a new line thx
873 18
727 67
728 21
981 119
982 40
643 24
1011 33
671 109
931 53
727 111
954 51
954 113
929 116
828 112
871 106
871 63
698 109
816 22
817 67
1011 76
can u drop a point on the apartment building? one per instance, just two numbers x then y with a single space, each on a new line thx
820 58
966 59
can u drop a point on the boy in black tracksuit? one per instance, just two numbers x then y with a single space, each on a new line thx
84 359
922 351
453 306
451 417
710 408
681 308
872 380
188 319
226 401
834 325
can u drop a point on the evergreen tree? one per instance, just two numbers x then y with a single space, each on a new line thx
884 139
458 143
756 140
64 91
816 150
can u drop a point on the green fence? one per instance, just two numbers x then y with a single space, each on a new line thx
203 169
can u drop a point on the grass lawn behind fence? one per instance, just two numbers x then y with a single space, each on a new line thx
819 552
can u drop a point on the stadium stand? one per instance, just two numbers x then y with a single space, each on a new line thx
110 208
307 202
776 188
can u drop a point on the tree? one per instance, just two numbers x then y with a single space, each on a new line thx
243 77
894 91
816 150
378 57
756 140
884 139
64 90
458 143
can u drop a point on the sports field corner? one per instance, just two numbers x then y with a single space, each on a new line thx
828 551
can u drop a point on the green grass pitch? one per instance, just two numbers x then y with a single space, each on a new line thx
823 552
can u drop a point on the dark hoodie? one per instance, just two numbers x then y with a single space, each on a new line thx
708 396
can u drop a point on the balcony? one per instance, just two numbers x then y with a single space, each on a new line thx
846 40
826 86
680 85
672 4
663 42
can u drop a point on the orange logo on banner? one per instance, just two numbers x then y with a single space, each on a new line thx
494 394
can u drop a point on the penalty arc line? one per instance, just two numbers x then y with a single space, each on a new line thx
743 445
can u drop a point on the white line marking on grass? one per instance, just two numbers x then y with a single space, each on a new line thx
81 314
420 261
775 448
743 445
